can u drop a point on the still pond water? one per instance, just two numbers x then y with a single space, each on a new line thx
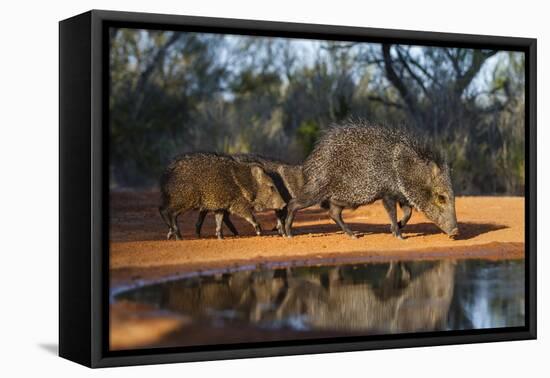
372 298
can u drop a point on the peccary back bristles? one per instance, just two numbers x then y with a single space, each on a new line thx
355 163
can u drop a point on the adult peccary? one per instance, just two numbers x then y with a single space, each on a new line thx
288 180
357 164
218 183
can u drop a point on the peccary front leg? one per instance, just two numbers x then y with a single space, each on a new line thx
407 212
200 220
229 224
390 206
219 215
249 217
335 213
254 224
281 216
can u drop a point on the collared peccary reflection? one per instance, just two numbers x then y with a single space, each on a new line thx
218 183
399 301
377 298
288 180
356 164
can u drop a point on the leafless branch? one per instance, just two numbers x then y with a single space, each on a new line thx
415 77
386 102
396 80
479 57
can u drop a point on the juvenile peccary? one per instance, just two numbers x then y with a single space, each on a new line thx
357 164
218 183
288 180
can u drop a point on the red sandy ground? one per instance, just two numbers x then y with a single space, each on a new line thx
490 227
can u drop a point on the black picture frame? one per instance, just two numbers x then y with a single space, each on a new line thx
84 192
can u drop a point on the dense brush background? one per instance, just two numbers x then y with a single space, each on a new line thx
174 92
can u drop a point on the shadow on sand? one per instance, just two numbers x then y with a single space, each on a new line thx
468 230
149 226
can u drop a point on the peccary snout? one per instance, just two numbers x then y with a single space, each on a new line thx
447 223
439 206
267 195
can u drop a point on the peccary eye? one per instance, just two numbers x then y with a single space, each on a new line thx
441 198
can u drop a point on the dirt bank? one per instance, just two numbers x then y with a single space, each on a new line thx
491 227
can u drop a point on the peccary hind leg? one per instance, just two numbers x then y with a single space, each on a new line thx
335 213
294 205
200 220
175 228
226 220
170 217
164 215
390 206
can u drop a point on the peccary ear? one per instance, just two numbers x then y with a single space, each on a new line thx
435 169
258 173
414 176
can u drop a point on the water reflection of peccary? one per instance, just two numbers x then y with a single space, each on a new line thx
357 164
397 303
378 298
218 183
288 179
248 293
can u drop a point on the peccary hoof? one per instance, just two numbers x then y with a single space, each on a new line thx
176 235
397 234
353 236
